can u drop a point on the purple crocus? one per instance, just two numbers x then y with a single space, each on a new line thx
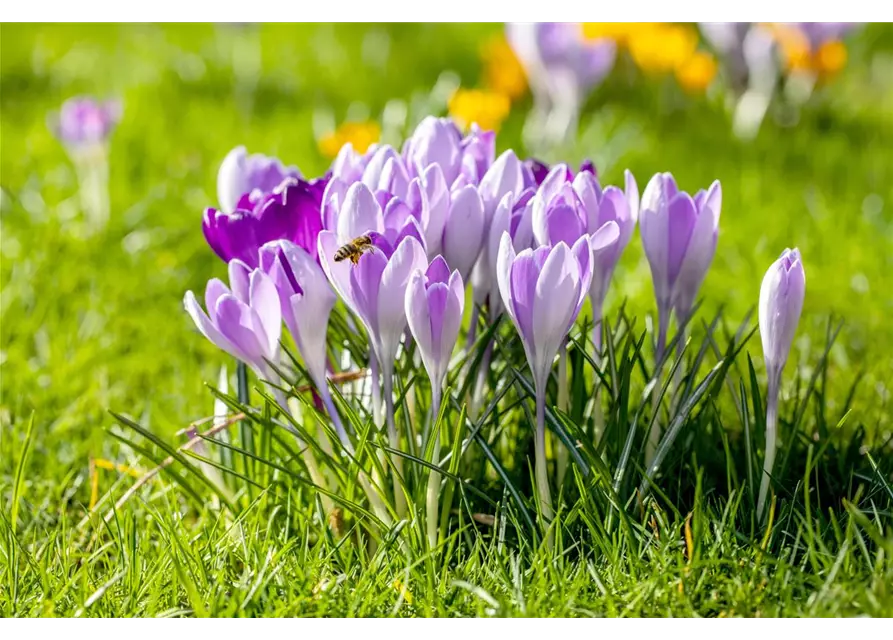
478 153
566 207
781 302
435 141
535 171
543 291
679 234
84 122
244 319
463 233
290 212
306 299
435 301
241 173
375 290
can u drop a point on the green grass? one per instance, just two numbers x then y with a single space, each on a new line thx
92 324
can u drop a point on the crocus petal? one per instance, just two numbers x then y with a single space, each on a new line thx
239 279
208 329
504 176
452 319
463 234
437 195
236 321
409 256
338 273
605 237
417 315
523 278
632 194
505 260
557 290
365 280
359 214
230 182
682 216
265 303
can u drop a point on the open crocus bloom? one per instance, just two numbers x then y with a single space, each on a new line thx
244 320
375 288
241 173
290 212
543 290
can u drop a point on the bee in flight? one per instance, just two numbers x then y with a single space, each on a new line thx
355 248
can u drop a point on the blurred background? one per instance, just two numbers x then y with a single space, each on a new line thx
799 132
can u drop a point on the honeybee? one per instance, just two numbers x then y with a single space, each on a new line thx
355 248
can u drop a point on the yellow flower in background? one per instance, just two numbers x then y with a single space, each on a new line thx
661 48
620 32
359 134
503 72
698 72
486 108
794 46
830 58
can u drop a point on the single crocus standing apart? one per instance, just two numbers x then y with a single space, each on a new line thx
84 126
543 290
781 302
375 290
241 173
435 301
291 211
679 234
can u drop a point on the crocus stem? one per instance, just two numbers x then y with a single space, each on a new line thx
771 439
663 319
563 402
329 404
541 473
478 396
432 511
92 169
394 441
376 392
598 416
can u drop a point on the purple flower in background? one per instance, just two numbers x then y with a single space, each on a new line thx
435 300
244 320
290 212
679 234
241 173
781 302
818 33
543 290
84 122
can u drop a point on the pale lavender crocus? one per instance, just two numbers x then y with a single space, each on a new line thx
543 291
679 234
463 233
565 207
244 319
781 303
307 300
83 122
375 290
435 301
241 173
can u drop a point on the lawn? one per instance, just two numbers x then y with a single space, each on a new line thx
93 323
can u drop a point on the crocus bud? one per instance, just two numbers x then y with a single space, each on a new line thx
435 301
478 154
240 173
290 212
679 234
436 141
543 291
244 320
781 301
84 122
463 235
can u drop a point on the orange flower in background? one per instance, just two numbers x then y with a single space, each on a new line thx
486 108
830 58
825 62
620 32
359 134
698 72
503 72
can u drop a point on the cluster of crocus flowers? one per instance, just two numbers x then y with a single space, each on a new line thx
84 125
398 236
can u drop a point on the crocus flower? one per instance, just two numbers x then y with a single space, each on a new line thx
478 153
241 173
83 122
290 212
434 304
435 141
244 320
562 67
536 171
463 233
306 299
375 290
543 290
679 234
781 302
